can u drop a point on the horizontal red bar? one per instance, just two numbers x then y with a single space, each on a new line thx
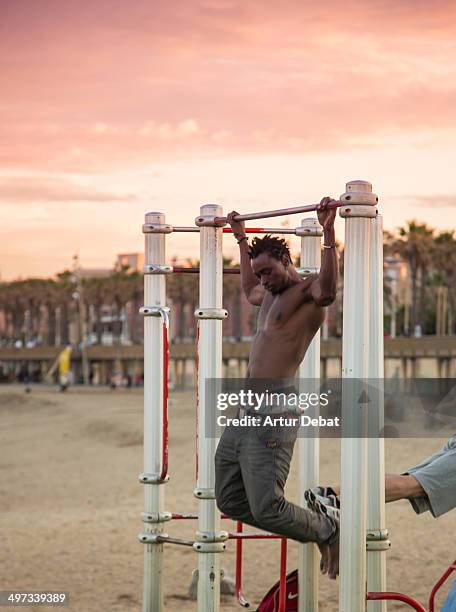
186 270
248 230
191 515
254 536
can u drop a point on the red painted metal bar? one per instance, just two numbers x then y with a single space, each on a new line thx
191 515
279 212
439 584
396 597
164 470
248 230
196 400
190 270
283 576
238 584
233 535
183 516
263 230
253 536
185 270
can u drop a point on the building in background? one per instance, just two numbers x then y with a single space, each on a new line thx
134 261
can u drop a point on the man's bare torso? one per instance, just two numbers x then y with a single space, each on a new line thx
279 346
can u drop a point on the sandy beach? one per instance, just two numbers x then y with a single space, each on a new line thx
71 505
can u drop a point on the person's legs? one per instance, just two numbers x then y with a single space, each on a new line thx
265 462
230 492
251 469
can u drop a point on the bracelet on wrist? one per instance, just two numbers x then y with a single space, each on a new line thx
329 246
241 239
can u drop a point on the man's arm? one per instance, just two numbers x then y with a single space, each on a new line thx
324 287
251 286
320 288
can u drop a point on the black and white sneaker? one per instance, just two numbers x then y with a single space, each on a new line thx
323 500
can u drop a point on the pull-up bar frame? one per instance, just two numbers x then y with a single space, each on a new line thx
279 212
358 207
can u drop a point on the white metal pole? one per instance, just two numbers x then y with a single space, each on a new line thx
377 536
209 538
309 447
153 516
358 211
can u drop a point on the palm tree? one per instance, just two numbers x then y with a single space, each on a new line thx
96 293
136 299
10 304
414 245
50 302
444 260
120 284
232 299
66 304
182 289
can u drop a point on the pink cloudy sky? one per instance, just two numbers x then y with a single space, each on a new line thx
112 108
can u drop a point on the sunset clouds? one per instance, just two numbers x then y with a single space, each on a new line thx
111 81
110 88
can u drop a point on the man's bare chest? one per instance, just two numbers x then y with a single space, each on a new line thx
272 313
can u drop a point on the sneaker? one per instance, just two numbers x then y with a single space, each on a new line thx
323 500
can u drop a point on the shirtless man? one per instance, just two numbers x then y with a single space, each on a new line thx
252 463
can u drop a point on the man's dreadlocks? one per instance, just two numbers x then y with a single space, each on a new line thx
272 246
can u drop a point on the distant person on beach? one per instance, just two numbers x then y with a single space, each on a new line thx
65 375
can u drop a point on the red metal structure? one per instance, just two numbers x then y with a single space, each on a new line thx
409 600
396 597
439 584
164 471
190 270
